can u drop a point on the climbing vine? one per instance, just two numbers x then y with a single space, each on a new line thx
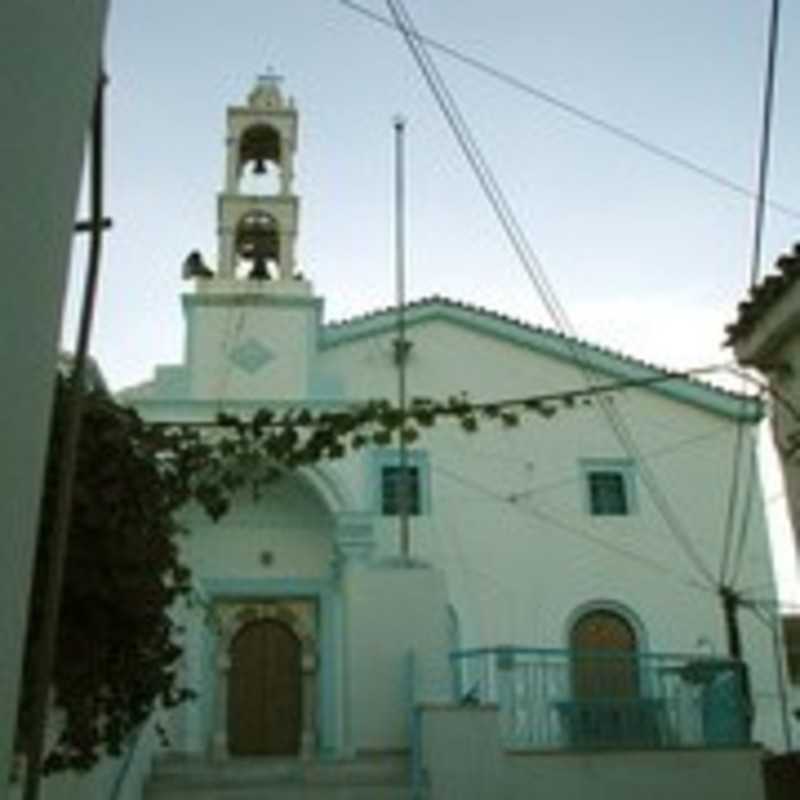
116 651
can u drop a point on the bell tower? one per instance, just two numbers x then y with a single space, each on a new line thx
257 232
252 323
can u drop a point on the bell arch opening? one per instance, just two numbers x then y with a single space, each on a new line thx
260 160
257 246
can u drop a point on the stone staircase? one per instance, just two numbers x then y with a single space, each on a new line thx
366 778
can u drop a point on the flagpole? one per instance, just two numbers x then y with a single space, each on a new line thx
401 344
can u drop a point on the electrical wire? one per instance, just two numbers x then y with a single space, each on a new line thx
729 572
611 128
730 514
744 524
780 653
651 564
566 396
534 269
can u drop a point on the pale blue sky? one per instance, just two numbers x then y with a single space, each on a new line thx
618 230
645 257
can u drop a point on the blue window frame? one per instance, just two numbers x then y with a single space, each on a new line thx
609 487
386 480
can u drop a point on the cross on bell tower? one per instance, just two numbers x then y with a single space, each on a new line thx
258 230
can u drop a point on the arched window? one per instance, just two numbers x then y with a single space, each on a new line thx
604 648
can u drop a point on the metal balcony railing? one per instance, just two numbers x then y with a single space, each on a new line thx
561 699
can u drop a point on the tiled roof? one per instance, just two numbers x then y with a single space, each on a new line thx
764 295
340 326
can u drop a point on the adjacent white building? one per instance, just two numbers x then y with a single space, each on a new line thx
596 531
49 60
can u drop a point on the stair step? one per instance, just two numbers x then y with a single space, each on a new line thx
277 792
363 778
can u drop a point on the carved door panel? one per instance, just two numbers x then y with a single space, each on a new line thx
264 714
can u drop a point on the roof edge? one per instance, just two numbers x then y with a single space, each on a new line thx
598 359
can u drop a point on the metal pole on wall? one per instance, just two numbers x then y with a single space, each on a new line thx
401 345
58 539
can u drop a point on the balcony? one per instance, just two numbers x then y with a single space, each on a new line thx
560 699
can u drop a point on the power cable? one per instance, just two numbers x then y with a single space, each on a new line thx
568 397
744 524
553 520
779 653
575 111
726 579
730 513
534 269
656 453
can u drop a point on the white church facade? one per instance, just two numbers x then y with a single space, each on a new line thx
598 530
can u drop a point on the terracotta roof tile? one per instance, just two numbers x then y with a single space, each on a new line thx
764 295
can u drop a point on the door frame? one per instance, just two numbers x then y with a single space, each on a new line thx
328 653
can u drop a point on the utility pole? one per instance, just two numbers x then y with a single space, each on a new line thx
731 602
730 610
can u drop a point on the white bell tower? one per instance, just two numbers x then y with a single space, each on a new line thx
252 323
259 230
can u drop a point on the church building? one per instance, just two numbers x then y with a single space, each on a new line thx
560 575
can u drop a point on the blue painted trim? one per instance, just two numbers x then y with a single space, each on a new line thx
626 467
615 366
331 631
378 458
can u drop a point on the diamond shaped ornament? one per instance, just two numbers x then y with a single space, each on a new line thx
251 355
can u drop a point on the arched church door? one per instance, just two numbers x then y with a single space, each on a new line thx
608 708
604 657
264 695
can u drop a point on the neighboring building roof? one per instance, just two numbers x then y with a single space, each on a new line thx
765 295
546 341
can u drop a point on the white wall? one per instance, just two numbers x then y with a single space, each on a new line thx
288 521
509 524
125 775
465 762
391 611
49 54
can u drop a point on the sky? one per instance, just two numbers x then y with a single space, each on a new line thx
647 258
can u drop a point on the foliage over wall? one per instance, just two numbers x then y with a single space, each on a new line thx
117 654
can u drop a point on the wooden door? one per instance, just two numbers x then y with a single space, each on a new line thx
604 657
264 693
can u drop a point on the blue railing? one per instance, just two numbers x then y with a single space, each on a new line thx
131 751
555 699
417 776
